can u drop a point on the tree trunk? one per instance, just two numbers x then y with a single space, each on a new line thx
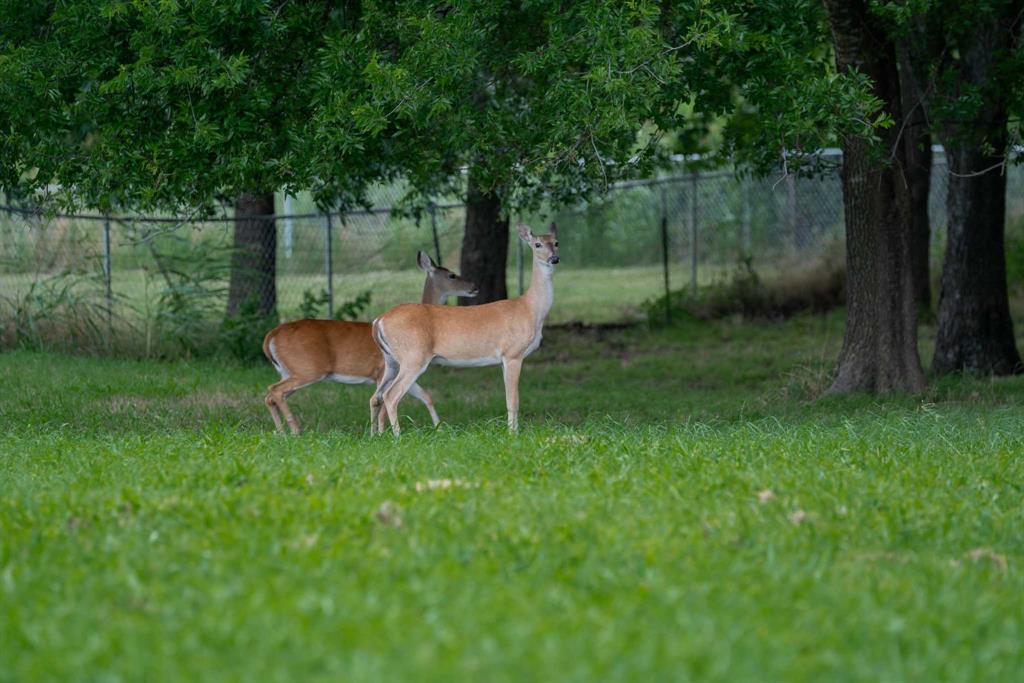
917 141
975 329
253 287
484 245
880 343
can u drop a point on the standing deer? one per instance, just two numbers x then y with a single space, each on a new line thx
412 336
305 352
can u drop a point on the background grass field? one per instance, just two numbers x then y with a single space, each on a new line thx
676 508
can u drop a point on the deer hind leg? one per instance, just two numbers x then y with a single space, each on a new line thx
377 400
510 371
277 395
275 414
407 376
423 395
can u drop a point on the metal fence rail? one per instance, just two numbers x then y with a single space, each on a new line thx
149 285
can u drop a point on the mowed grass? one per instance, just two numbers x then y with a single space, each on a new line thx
675 509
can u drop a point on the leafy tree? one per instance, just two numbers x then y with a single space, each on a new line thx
541 101
171 106
967 58
936 67
786 89
880 344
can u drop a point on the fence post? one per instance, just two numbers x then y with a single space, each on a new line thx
107 265
289 226
693 232
664 254
432 208
329 263
791 211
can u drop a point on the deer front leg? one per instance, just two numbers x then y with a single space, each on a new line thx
510 371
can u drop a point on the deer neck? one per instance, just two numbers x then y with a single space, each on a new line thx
431 294
541 293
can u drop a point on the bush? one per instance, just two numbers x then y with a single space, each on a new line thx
818 286
313 303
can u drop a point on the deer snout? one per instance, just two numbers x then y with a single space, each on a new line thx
473 292
553 260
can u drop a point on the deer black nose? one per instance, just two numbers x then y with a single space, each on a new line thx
554 259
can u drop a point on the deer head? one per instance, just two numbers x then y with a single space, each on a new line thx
442 282
545 247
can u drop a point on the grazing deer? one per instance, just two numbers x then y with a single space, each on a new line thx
305 352
412 336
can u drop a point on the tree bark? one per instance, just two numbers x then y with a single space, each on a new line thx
484 245
917 141
879 351
253 286
975 329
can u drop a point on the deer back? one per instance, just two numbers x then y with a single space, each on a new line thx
319 348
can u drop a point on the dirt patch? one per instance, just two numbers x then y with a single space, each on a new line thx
125 403
216 399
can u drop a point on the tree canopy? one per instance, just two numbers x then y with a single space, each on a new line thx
141 104
144 104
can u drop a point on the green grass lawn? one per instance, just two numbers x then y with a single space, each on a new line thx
676 509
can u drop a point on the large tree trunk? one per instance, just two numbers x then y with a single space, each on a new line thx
253 287
975 329
917 142
484 245
880 344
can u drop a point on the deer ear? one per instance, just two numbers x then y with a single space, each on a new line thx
554 230
426 263
524 233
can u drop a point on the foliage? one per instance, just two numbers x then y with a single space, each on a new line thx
66 311
352 309
766 70
241 335
968 58
312 303
674 509
180 105
549 101
192 275
540 99
169 105
815 286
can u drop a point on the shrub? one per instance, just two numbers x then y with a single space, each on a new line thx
816 286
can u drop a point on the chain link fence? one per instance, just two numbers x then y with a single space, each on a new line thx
158 285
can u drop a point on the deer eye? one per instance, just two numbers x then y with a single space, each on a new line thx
537 245
451 276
